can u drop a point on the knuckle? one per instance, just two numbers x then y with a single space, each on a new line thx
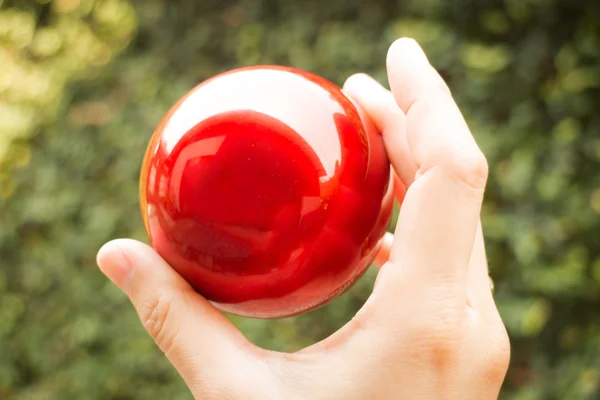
498 358
438 351
436 340
157 319
469 168
460 158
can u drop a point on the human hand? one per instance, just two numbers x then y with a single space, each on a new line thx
430 329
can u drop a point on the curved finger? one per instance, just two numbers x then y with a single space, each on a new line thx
438 221
198 340
379 103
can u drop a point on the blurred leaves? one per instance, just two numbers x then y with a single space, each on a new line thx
83 83
43 48
487 59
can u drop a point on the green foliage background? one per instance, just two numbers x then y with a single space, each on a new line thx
84 82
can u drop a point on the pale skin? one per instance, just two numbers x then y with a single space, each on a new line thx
429 330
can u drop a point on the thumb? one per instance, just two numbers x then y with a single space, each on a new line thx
199 341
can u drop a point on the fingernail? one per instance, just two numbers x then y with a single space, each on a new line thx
115 265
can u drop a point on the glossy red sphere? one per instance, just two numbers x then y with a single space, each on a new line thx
267 190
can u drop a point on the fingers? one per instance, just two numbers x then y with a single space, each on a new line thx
439 217
436 131
379 103
198 340
479 293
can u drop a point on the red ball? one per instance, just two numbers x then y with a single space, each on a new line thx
267 190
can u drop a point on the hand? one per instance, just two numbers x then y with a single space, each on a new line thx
430 329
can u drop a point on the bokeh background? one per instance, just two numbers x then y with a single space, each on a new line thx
84 82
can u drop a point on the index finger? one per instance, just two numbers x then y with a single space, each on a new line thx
439 217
